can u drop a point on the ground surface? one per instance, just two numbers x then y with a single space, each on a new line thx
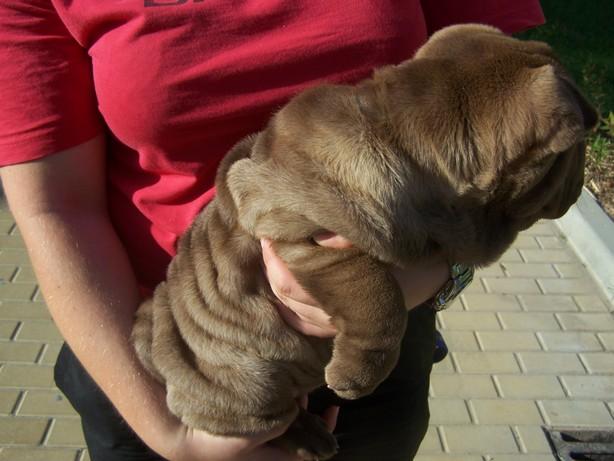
531 343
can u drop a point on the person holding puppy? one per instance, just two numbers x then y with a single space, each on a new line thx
114 119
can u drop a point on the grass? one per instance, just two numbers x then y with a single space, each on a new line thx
580 33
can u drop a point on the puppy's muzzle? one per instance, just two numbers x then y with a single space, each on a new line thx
554 194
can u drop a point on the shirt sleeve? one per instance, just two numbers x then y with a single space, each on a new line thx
508 15
48 101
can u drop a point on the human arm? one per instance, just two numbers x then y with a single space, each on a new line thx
90 289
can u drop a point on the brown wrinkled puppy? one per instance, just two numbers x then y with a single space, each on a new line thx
457 150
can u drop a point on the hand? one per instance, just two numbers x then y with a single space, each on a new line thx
296 306
419 282
196 445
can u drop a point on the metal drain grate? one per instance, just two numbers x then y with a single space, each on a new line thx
575 444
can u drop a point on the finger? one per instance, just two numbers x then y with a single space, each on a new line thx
281 279
330 416
267 250
304 327
306 318
332 240
298 309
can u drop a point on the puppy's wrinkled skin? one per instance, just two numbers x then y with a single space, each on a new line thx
457 150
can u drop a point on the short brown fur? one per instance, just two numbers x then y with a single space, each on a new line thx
457 150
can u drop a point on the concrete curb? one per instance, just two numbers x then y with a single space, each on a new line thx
591 234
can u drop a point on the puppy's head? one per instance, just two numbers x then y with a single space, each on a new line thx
477 137
500 122
522 121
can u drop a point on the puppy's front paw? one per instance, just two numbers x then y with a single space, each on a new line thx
351 380
309 438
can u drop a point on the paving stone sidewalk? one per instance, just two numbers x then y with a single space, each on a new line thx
531 345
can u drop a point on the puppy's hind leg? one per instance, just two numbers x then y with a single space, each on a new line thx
142 337
308 437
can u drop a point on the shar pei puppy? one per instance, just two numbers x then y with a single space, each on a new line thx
455 151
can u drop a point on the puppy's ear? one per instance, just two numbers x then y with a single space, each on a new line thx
562 115
246 182
590 116
367 102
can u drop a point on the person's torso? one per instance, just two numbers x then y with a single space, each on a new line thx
178 82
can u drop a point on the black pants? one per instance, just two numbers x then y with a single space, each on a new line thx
387 425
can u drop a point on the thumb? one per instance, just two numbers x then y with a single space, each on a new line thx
330 417
331 240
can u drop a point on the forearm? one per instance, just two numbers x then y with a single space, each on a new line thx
92 294
419 282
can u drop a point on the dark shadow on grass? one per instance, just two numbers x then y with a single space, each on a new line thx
581 33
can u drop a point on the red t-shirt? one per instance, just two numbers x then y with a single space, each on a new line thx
175 83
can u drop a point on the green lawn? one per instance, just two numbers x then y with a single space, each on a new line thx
582 33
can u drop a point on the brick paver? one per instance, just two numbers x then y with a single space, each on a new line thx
544 335
531 344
